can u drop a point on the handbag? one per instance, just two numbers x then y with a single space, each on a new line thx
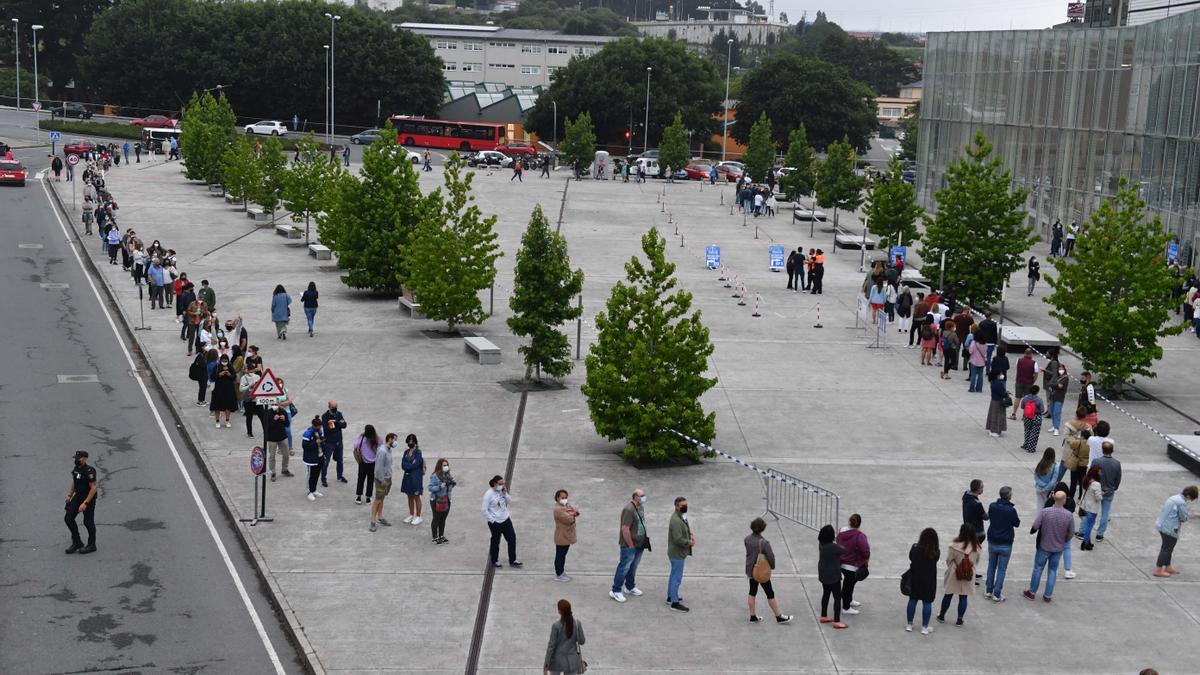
861 573
357 452
1008 400
761 572
646 540
582 663
906 583
441 503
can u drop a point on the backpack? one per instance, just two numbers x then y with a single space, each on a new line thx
965 569
1030 407
926 332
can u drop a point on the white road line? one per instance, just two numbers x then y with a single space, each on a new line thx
212 530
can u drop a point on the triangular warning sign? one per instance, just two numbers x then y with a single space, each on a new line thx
267 386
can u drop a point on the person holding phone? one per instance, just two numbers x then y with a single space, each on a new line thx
565 515
495 510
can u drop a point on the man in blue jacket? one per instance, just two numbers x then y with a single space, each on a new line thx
332 423
1002 516
313 441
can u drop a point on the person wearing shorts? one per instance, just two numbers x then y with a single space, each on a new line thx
756 544
383 479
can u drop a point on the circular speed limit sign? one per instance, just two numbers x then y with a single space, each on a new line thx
258 461
72 159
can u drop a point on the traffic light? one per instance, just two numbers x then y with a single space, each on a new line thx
626 133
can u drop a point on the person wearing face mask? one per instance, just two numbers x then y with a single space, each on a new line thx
332 422
495 510
632 540
564 532
441 484
1056 391
998 405
82 499
413 465
383 479
679 546
224 394
312 441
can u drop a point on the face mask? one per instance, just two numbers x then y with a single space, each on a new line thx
499 488
394 445
683 509
643 499
445 468
563 502
1062 371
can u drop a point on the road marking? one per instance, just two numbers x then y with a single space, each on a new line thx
54 286
30 246
212 530
77 379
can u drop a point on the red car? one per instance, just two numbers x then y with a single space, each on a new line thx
516 148
11 171
78 147
155 122
729 173
698 171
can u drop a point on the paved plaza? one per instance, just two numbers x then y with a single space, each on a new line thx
897 444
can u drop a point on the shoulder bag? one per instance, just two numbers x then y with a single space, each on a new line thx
646 540
906 583
762 567
357 452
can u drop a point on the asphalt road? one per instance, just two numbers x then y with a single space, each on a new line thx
159 594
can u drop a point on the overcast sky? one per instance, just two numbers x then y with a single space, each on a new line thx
930 15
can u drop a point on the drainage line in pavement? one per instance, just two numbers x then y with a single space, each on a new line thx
489 573
562 206
231 241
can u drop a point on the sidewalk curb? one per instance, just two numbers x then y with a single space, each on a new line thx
281 608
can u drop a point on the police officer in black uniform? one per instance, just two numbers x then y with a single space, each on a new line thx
82 499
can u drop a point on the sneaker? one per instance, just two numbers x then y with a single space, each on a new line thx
272 478
617 595
783 618
218 425
755 619
926 630
635 591
515 563
497 564
408 518
562 577
993 434
959 623
368 500
90 548
1029 596
318 494
358 500
417 521
342 480
324 483
679 607
855 603
1056 432
1099 537
371 527
311 497
384 521
908 628
442 540
1079 535
941 619
850 611
1046 599
287 473
1069 574
999 598
75 546
201 403
988 595
228 425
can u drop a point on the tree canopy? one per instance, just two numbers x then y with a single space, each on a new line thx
611 86
270 56
838 187
579 143
61 42
760 150
673 151
892 207
872 62
792 91
803 177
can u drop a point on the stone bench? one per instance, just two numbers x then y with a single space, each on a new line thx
414 308
230 199
320 252
288 230
488 353
845 240
808 214
218 189
258 214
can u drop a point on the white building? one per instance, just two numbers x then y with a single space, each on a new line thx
511 56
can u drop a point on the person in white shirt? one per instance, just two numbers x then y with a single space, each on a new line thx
1097 441
495 510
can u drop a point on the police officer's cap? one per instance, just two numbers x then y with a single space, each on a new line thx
80 453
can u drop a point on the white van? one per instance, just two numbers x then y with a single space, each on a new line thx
157 140
650 164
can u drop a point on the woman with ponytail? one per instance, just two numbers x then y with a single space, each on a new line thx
566 637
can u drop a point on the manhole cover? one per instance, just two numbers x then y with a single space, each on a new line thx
77 379
31 246
54 287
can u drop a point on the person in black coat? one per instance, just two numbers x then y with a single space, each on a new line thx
973 512
922 577
795 269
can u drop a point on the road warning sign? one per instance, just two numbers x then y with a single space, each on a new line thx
268 386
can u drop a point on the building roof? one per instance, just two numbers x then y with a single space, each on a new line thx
490 93
441 30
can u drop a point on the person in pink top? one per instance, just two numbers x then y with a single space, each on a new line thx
854 562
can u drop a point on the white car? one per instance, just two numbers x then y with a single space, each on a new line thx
267 128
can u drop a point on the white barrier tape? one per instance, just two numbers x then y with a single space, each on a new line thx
748 465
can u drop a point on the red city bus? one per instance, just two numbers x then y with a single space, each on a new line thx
447 134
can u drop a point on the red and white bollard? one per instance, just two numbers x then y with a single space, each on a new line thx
736 286
818 323
757 300
741 294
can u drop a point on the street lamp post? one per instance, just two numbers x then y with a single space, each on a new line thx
646 130
725 103
37 101
326 93
17 52
555 104
333 19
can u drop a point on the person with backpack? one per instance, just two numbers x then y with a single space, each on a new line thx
961 558
829 573
1069 505
949 345
563 656
1027 374
1034 273
920 310
1032 409
928 339
760 561
919 583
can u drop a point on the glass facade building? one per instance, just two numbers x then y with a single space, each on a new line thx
1070 112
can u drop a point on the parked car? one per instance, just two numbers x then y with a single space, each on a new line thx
489 158
66 109
365 137
267 128
413 157
79 146
516 148
729 172
652 153
650 164
4 149
681 174
11 171
698 171
156 121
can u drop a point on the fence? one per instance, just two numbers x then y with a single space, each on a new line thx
801 502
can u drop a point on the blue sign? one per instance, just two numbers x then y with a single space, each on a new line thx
900 252
712 256
777 256
54 135
1172 251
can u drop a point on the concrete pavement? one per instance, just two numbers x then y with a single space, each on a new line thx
898 444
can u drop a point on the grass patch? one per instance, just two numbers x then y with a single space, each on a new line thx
108 129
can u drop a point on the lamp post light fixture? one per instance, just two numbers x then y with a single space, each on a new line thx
646 130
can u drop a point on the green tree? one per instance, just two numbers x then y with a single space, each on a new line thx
760 150
452 254
370 219
240 170
673 151
1113 297
792 91
272 167
838 187
306 183
60 44
578 146
543 291
645 372
911 125
802 178
979 224
892 206
680 81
